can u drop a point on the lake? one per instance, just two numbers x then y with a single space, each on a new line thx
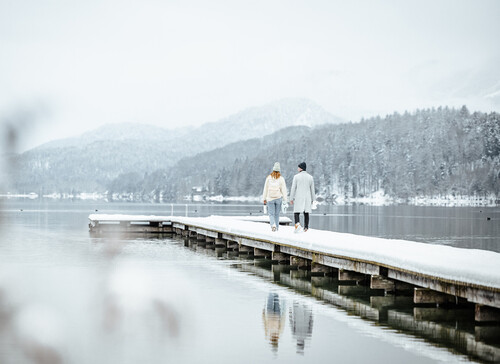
67 296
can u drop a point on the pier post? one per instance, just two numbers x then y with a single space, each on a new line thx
299 262
379 282
245 249
261 253
347 275
280 257
221 242
486 314
402 288
321 270
425 295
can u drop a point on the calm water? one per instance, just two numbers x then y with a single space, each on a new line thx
69 297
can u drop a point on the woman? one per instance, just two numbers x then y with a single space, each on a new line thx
274 195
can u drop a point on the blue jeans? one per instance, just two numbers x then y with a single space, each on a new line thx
274 209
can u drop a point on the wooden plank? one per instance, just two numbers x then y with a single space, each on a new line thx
177 225
115 228
231 237
296 252
472 294
258 244
209 233
352 265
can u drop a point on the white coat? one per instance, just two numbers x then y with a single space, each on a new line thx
268 195
302 193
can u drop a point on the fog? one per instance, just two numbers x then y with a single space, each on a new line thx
175 63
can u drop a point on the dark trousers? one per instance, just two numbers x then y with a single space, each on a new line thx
306 219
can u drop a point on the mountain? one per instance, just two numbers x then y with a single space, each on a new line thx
209 168
91 161
115 132
432 152
259 121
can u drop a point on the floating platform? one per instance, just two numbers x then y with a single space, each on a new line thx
435 274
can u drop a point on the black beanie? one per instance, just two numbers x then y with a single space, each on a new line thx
302 166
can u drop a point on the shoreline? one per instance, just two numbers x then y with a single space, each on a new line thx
377 200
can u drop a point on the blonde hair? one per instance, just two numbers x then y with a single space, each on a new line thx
275 174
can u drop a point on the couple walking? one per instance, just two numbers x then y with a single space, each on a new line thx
302 196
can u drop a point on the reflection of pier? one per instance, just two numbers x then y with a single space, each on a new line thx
428 283
451 327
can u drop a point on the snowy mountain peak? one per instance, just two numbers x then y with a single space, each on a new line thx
249 123
112 132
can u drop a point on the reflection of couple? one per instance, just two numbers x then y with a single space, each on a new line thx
273 316
301 321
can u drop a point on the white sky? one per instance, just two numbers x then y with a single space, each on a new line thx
179 63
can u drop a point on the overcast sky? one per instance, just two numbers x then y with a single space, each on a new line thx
179 63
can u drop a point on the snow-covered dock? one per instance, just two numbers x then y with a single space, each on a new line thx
436 273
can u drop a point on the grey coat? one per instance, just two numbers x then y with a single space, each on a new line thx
302 193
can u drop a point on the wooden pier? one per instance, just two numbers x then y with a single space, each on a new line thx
244 236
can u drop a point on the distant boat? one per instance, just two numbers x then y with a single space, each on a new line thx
32 195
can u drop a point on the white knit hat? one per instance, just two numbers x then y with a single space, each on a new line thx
276 167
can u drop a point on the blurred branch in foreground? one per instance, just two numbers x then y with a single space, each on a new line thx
15 126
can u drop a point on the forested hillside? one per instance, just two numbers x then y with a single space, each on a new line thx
427 153
119 156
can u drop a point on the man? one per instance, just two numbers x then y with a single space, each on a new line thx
302 196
